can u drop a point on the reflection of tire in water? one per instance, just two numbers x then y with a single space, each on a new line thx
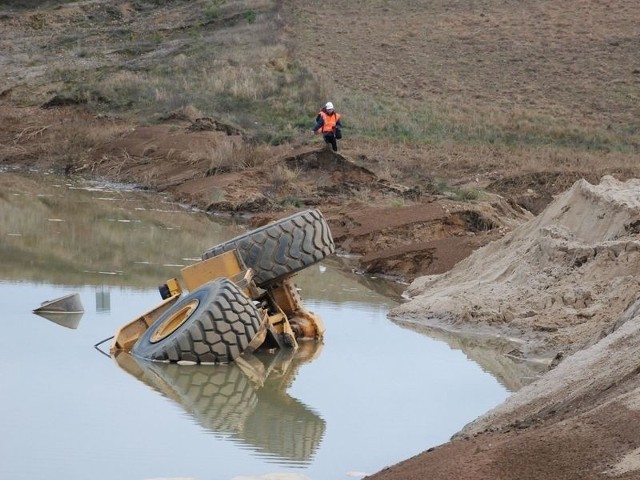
222 399
212 324
219 397
281 248
281 424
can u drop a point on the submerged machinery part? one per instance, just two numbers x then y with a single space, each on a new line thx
213 324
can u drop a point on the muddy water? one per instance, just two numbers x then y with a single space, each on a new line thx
372 394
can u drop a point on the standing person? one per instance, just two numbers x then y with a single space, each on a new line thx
328 123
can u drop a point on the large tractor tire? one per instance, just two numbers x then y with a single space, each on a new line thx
281 248
212 324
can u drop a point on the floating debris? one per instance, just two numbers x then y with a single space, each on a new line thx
68 304
68 320
123 220
66 311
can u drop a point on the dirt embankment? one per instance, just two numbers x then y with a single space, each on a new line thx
418 71
386 228
566 284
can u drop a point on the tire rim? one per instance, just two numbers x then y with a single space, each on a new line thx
174 321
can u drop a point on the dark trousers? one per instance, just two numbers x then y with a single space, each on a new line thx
331 138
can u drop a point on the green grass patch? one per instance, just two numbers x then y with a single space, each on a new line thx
392 120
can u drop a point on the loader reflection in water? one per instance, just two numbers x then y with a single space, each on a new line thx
246 400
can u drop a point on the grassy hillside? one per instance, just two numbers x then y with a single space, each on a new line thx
428 89
227 59
514 72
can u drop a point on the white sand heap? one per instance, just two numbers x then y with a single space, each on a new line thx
559 282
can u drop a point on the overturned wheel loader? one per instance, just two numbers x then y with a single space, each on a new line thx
240 298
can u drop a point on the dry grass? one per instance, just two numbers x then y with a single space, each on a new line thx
283 178
229 59
105 133
427 89
488 72
230 157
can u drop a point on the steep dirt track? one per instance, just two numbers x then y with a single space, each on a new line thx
598 445
577 422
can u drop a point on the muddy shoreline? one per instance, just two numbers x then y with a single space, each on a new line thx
389 228
565 284
491 446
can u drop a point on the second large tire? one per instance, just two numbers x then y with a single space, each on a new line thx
281 248
212 324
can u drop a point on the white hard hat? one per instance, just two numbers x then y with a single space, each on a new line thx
329 106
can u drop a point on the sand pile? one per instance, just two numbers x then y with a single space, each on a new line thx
557 283
594 378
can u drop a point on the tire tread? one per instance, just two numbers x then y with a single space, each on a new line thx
281 248
217 332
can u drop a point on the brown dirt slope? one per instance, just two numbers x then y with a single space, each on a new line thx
511 59
565 284
406 238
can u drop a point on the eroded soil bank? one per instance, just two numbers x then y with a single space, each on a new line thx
566 284
388 228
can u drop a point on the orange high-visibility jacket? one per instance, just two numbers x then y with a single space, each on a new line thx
329 122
